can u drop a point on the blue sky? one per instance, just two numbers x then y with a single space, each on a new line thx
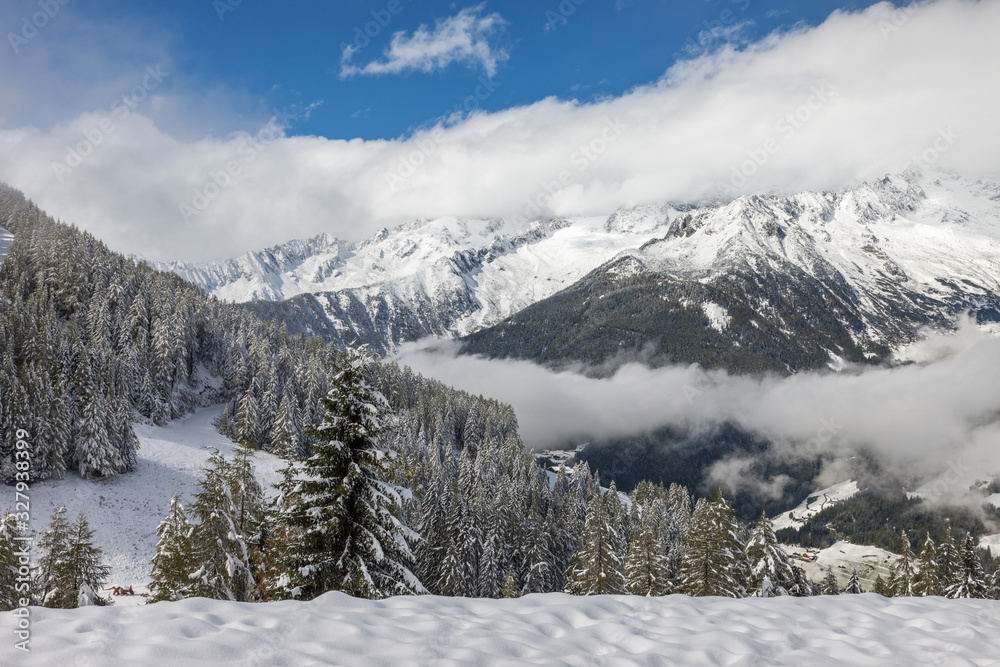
287 56
197 129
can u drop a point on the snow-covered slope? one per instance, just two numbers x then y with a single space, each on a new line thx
125 510
816 502
548 629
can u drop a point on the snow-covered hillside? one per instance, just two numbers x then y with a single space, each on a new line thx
891 255
815 502
545 629
125 510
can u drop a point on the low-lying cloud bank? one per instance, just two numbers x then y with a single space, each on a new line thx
861 95
925 418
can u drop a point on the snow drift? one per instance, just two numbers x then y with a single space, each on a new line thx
548 629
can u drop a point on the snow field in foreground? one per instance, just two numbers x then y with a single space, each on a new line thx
546 629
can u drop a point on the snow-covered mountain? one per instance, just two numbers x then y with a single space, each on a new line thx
849 274
781 282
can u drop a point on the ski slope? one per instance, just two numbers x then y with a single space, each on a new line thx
547 629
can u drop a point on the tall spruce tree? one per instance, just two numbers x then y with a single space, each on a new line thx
768 560
69 563
219 550
647 569
346 506
926 581
969 580
715 561
903 571
169 579
596 568
854 584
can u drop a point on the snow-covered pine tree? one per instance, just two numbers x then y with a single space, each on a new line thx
880 587
51 590
994 587
949 559
456 578
768 559
854 584
85 573
169 578
829 584
714 562
970 580
538 562
596 568
286 438
11 547
510 589
69 561
247 421
94 452
926 581
346 507
903 571
218 550
647 570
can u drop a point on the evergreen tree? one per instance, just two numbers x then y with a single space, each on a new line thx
969 581
285 436
510 588
881 587
714 562
829 584
95 454
52 546
903 573
647 570
169 578
854 584
218 548
596 568
949 560
926 581
69 562
347 507
247 421
768 560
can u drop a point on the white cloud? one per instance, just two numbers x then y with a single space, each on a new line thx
888 84
467 38
924 418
